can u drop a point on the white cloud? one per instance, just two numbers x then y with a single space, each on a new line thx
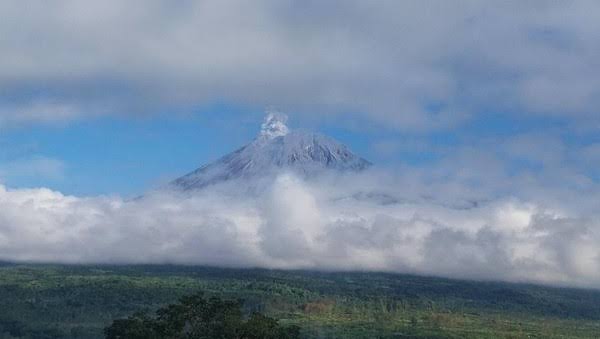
325 224
389 60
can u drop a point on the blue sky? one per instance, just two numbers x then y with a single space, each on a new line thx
125 155
128 155
122 155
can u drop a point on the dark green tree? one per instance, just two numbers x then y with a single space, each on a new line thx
262 327
137 326
195 317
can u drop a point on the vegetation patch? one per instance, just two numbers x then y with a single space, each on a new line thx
54 301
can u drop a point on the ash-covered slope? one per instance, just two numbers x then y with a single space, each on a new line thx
275 149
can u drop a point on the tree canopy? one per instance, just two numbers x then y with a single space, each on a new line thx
196 317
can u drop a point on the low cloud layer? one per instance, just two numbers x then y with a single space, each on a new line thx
354 222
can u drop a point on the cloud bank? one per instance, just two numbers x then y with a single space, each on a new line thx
355 222
409 65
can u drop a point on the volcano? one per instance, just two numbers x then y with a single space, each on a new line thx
274 150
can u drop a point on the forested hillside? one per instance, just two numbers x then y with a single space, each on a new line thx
49 301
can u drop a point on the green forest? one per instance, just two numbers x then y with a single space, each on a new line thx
85 301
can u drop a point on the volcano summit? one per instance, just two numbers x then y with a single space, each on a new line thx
276 149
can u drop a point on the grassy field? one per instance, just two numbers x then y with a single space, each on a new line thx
52 301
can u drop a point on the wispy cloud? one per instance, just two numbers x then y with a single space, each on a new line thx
36 166
45 111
